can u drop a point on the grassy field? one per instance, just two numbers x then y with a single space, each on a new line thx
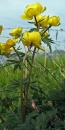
46 89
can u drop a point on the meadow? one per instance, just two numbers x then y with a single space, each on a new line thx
45 107
32 85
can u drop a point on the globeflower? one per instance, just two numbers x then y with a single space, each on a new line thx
12 42
54 21
4 50
16 32
45 35
42 21
32 10
8 46
32 39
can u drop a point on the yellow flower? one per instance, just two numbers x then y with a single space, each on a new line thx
11 49
16 32
42 21
54 21
4 49
11 43
1 28
33 10
15 40
26 40
45 35
32 39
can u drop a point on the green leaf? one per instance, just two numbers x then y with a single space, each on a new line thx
30 22
48 41
31 115
33 29
16 66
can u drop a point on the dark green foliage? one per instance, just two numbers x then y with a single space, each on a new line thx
47 89
48 41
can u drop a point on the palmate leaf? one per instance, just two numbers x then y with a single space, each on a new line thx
48 41
34 29
17 66
22 54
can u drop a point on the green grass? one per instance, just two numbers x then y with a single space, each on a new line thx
7 74
47 77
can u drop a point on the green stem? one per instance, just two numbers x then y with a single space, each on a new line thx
46 30
36 21
32 55
17 54
26 89
45 59
21 84
21 92
32 65
29 75
30 71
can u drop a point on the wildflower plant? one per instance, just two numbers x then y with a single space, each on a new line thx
29 38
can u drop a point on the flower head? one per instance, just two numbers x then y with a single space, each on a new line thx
45 35
11 43
54 21
16 32
32 39
4 48
32 10
42 21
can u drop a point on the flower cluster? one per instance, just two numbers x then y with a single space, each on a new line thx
30 38
35 10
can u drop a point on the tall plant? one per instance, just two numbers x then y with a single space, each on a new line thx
31 40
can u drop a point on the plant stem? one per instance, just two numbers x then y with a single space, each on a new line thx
45 59
21 92
32 55
21 83
30 71
36 21
45 30
17 54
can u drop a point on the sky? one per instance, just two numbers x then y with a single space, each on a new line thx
11 10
